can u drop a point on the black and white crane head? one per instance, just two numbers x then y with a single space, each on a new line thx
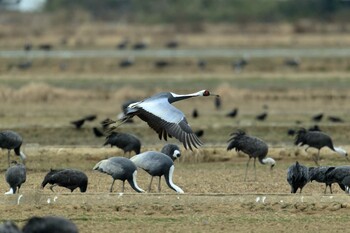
68 178
164 118
252 146
157 164
318 140
297 176
11 140
119 168
172 150
15 176
52 224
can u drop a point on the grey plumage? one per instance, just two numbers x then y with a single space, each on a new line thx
164 118
319 174
172 150
297 176
68 178
119 168
318 140
15 177
11 140
126 142
157 164
252 146
9 227
52 224
340 175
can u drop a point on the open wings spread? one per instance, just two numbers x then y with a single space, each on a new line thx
167 120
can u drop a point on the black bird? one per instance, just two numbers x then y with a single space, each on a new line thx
292 62
261 117
45 47
252 146
157 164
317 117
319 174
233 113
98 133
217 103
172 150
318 140
172 44
240 64
335 119
199 133
119 168
340 175
314 128
202 64
52 224
139 46
164 118
15 177
297 176
11 140
68 178
126 63
291 132
24 65
161 64
90 117
123 44
9 227
125 141
78 123
195 113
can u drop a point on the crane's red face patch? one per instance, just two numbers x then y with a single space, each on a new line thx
206 93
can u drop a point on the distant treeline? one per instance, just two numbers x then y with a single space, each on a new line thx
197 11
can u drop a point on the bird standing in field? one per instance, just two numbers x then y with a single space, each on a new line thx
11 140
126 142
52 224
164 118
318 140
340 175
15 177
319 174
159 164
68 178
297 176
119 168
252 146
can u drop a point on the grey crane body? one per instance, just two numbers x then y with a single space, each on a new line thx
157 164
252 146
297 177
126 142
340 175
9 227
319 174
318 140
68 178
11 140
164 118
119 168
15 176
52 224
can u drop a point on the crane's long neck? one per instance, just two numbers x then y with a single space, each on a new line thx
177 97
340 151
133 183
169 180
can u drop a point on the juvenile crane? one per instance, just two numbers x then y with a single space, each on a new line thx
126 142
159 164
11 140
318 140
164 118
15 177
297 176
119 168
252 146
68 178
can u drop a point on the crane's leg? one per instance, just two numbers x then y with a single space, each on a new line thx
159 185
111 189
254 169
246 169
330 188
123 186
8 157
51 187
317 158
150 185
325 190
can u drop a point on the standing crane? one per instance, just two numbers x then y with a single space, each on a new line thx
119 168
319 174
164 118
11 140
318 140
252 146
15 177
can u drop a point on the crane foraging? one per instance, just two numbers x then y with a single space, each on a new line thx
164 118
252 146
297 176
318 140
15 177
11 140
319 174
119 168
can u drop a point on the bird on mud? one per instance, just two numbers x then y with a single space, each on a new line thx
319 174
52 224
340 175
68 178
164 118
119 168
318 140
297 176
11 140
159 164
252 146
125 141
15 176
